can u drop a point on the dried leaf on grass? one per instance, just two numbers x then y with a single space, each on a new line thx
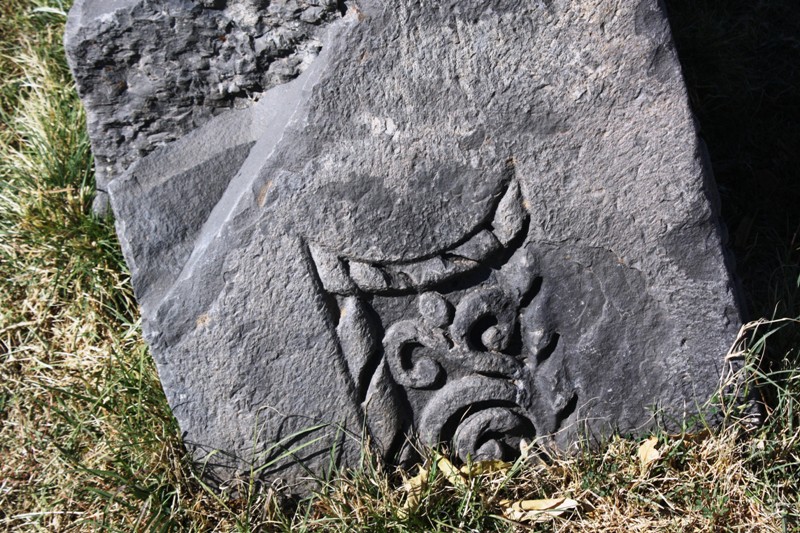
648 453
538 510
485 467
450 472
457 477
414 487
520 511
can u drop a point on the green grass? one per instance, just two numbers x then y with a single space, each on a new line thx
87 441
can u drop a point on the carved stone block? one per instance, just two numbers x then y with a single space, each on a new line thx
474 222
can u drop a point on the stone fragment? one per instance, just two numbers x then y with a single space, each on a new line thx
476 222
510 216
150 71
367 277
434 309
357 337
479 247
332 272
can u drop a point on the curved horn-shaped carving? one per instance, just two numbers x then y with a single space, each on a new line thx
455 412
411 351
350 275
485 320
493 433
357 339
510 216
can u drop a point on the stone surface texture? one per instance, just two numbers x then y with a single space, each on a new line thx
473 221
150 71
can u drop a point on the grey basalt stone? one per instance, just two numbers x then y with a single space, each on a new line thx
475 222
150 71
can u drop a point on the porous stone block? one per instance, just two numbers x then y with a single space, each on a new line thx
471 221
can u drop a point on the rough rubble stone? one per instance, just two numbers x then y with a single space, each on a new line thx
150 71
473 221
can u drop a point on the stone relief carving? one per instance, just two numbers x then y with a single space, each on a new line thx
446 346
476 222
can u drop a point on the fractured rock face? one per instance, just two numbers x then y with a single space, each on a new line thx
476 222
150 71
